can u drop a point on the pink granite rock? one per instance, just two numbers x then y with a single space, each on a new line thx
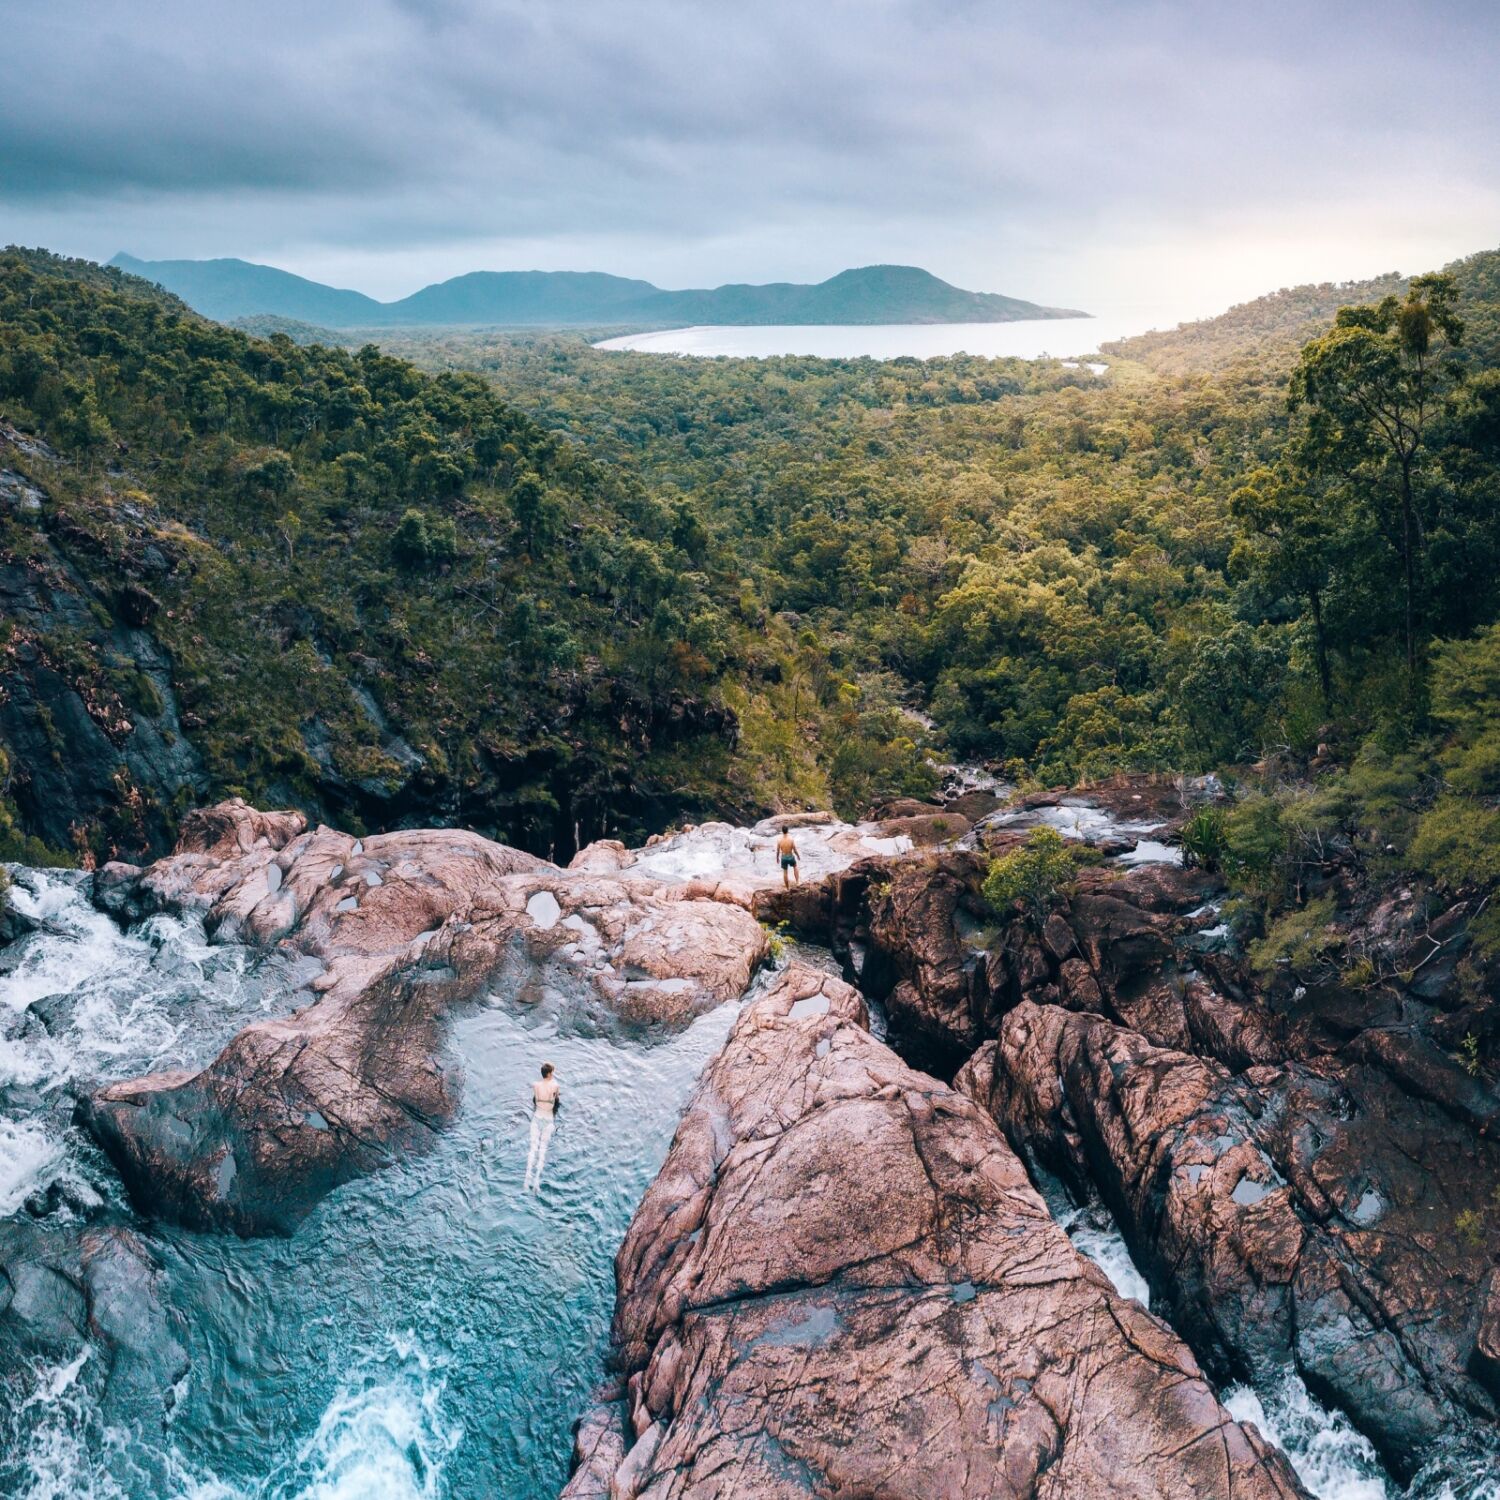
842 1284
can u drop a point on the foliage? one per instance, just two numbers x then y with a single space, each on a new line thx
1257 848
1471 1227
1456 840
1458 843
1204 839
1274 327
778 941
1466 701
419 542
1033 875
1468 1052
554 591
1079 575
1274 844
1372 391
1301 941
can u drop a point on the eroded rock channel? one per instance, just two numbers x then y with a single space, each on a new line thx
299 1061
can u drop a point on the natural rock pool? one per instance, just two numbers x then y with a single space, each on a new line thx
429 1331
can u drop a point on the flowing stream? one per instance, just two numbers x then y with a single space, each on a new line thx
1333 1460
431 1331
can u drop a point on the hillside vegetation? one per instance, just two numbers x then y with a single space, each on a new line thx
1215 558
678 586
381 595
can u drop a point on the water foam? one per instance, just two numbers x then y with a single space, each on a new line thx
1094 1234
1333 1460
29 1159
383 1436
116 1001
55 1458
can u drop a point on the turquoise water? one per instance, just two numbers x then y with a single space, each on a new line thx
430 1331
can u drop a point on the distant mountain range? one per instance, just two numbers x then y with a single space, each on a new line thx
229 289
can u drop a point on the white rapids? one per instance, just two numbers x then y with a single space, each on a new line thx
1331 1458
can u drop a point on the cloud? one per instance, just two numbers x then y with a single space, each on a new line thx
992 141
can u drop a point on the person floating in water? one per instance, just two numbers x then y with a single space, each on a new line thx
546 1099
786 850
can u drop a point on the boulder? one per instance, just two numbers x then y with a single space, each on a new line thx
926 830
1114 945
401 928
95 1299
740 865
903 807
1485 1361
842 1283
921 964
599 1446
974 805
1287 1219
234 827
14 925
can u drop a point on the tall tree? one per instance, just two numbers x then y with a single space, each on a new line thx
1370 388
1290 530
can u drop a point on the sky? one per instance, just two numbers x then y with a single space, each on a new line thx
1096 153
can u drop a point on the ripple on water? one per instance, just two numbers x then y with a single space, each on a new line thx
431 1329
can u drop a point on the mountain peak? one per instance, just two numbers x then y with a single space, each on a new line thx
229 288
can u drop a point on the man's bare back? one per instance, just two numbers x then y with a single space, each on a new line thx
789 858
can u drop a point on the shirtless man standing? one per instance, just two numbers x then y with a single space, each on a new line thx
546 1095
786 852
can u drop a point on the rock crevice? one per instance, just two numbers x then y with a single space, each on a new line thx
842 1282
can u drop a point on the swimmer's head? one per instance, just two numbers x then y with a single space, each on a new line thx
547 1070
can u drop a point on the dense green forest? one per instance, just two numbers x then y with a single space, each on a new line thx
1074 574
679 585
384 595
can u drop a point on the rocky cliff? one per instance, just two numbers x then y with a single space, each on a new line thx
842 1283
1306 1178
390 934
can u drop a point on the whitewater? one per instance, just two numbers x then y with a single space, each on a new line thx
430 1331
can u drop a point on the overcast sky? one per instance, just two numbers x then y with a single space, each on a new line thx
1095 153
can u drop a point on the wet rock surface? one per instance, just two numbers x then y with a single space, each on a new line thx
948 968
91 1300
395 931
843 1280
842 1283
1307 1179
1287 1219
739 865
